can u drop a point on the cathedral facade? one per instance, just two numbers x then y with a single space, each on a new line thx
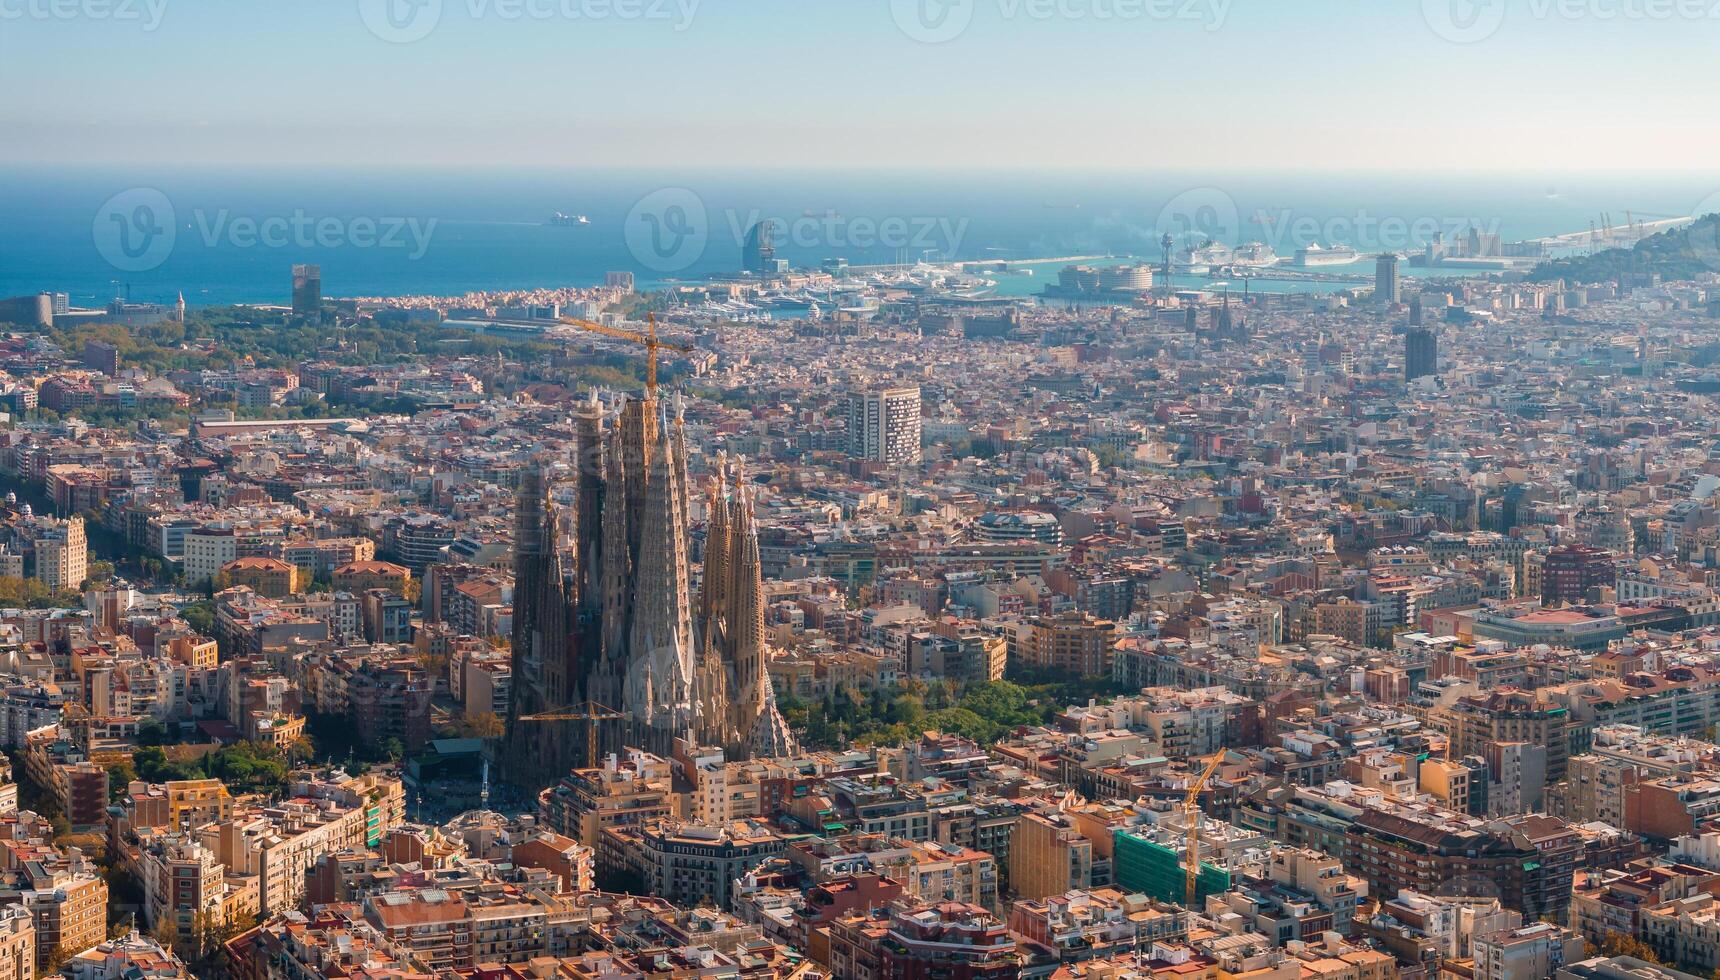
608 641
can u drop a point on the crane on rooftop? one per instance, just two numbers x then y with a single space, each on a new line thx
1191 816
648 340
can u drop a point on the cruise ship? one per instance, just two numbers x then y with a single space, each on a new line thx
1202 260
1314 257
1254 255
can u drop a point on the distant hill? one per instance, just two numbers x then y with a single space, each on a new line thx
1682 253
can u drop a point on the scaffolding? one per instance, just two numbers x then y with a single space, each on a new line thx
1157 871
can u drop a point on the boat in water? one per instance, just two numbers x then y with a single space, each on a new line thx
1201 260
1253 255
560 220
1315 257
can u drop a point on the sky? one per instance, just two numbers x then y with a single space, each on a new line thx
1315 85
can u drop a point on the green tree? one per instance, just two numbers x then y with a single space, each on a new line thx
200 616
166 932
120 775
486 724
151 731
907 709
1623 944
60 957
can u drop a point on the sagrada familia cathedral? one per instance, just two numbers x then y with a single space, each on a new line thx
607 639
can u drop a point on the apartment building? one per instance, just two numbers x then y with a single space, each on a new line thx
1048 856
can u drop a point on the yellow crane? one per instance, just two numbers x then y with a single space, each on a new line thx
1191 816
591 713
648 340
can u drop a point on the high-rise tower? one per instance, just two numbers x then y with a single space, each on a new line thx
884 425
1388 288
1420 353
307 290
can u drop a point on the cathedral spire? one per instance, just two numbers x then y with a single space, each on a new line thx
547 655
745 601
715 586
588 524
619 625
753 717
662 626
605 685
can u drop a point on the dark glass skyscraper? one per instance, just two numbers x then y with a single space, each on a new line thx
1420 353
307 290
758 253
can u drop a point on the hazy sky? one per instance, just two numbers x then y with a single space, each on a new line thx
1280 84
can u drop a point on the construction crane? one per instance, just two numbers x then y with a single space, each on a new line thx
1191 816
649 341
591 713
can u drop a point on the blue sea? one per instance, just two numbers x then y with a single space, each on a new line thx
225 236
